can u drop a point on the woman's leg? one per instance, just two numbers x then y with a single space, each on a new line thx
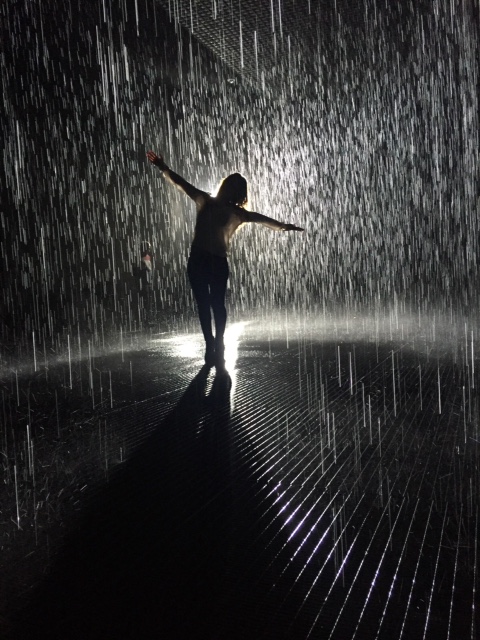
198 276
218 289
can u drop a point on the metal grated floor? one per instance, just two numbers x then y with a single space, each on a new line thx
326 488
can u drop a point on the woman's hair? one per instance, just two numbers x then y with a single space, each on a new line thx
233 189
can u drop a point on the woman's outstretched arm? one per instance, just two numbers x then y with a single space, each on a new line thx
192 192
252 216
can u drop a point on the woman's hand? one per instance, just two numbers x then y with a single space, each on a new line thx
292 227
157 160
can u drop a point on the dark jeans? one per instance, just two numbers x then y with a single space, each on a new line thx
208 275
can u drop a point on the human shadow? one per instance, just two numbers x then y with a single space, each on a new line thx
146 556
183 542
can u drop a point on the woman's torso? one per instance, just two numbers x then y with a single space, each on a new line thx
215 226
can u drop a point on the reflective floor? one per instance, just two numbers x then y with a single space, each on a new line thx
325 486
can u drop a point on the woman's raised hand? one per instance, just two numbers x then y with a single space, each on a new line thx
158 161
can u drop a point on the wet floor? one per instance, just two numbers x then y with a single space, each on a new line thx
325 486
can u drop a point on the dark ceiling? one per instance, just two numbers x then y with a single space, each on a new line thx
266 43
257 38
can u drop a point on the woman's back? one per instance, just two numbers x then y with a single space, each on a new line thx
216 224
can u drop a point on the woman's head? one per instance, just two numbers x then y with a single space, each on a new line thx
233 189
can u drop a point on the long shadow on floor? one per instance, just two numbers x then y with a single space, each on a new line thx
152 555
144 556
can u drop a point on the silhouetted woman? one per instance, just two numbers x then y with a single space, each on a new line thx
217 220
